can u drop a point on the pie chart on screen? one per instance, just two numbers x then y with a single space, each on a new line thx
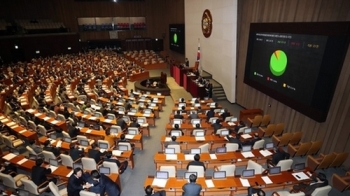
278 62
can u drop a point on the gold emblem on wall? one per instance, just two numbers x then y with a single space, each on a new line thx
207 23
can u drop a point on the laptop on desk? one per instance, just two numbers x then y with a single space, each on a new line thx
80 124
132 132
200 133
224 132
187 174
105 170
269 146
246 148
67 139
247 130
248 173
176 133
77 165
162 175
274 171
195 151
169 150
299 167
103 146
219 175
220 150
84 143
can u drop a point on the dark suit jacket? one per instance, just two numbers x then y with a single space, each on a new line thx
191 189
193 116
279 156
54 150
197 163
121 123
311 188
224 115
216 127
134 124
210 114
75 153
108 186
74 185
159 193
39 174
234 140
113 161
95 154
178 116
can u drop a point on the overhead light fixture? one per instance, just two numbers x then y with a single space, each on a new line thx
16 47
69 48
156 39
37 52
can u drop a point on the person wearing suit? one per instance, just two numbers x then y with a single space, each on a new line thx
105 183
236 140
76 183
123 139
277 157
95 153
121 122
74 152
255 192
225 114
49 148
187 63
39 174
217 125
196 162
173 141
210 114
192 188
150 192
134 123
255 139
318 180
113 159
176 128
178 115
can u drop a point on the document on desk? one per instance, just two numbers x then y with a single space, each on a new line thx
102 150
9 156
52 141
11 124
130 137
147 115
70 173
22 161
266 179
300 176
245 182
145 125
88 131
46 118
2 117
189 157
246 136
131 113
159 182
92 118
31 110
59 144
200 138
107 120
117 152
23 131
4 120
171 157
231 123
209 183
14 126
38 114
53 168
247 154
265 153
167 139
213 156
55 122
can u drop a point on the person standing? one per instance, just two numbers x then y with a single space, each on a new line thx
105 183
76 183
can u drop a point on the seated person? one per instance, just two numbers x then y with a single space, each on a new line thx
217 125
210 114
252 141
37 149
183 110
106 184
110 138
39 173
191 188
72 130
95 153
182 100
173 141
150 192
134 123
49 148
121 122
176 128
225 114
99 125
196 162
318 180
123 139
255 192
236 139
276 157
74 151
115 160
8 169
193 115
240 125
178 115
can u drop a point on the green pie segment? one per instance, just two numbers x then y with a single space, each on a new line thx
278 62
175 38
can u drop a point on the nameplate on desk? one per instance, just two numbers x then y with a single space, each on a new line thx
46 118
92 118
145 125
22 161
167 139
171 156
24 103
84 116
246 136
2 117
9 156
69 174
159 182
14 126
55 122
200 138
88 131
244 182
265 153
129 136
117 152
209 183
23 131
189 157
131 113
38 114
11 124
30 110
300 176
147 115
213 156
4 120
247 154
266 179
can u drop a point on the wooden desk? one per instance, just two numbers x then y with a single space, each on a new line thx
189 142
203 107
126 155
228 186
188 128
19 130
221 159
186 119
52 121
139 76
190 102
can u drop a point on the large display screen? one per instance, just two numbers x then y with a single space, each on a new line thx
295 65
177 38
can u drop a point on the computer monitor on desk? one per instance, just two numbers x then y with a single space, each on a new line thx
219 175
196 121
177 121
224 132
84 143
220 150
67 139
105 170
103 145
53 136
187 174
200 133
234 119
299 167
53 162
246 148
77 165
247 130
275 170
132 132
123 147
176 133
182 104
195 151
197 105
162 175
269 146
248 173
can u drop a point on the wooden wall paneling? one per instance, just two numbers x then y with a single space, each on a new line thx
334 132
